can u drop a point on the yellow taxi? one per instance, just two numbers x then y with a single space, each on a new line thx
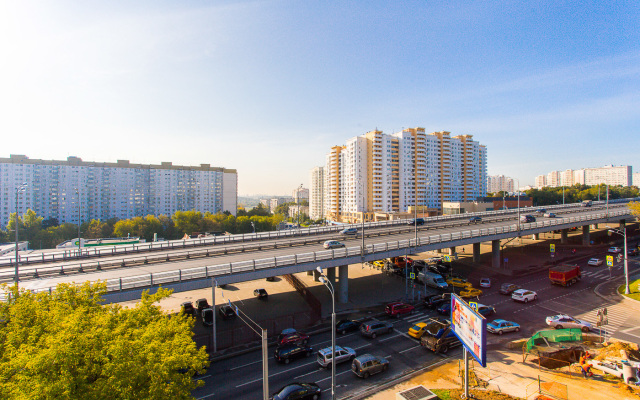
379 264
470 292
457 282
417 330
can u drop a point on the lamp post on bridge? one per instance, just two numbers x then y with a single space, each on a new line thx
19 190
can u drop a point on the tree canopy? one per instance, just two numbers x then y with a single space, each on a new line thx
67 345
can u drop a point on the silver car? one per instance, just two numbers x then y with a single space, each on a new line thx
565 322
342 354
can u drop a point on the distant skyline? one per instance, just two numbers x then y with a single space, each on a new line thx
267 87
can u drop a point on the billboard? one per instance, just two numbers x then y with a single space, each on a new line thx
470 327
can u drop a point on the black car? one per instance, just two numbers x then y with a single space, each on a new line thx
288 352
475 220
527 218
508 288
261 294
207 317
226 312
298 391
419 265
632 252
417 221
187 308
347 325
439 269
435 301
201 304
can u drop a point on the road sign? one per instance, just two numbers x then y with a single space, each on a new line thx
610 261
447 258
506 260
412 275
552 248
473 305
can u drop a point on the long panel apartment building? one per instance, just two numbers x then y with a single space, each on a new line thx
389 173
621 175
56 189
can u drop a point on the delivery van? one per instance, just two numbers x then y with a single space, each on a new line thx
432 280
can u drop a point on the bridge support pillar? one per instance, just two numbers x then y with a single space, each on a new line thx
476 252
535 236
594 226
316 276
586 237
343 284
310 273
622 224
495 254
331 274
452 250
564 236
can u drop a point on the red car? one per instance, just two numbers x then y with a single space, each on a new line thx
397 309
291 336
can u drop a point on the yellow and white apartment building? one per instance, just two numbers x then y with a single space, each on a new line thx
378 173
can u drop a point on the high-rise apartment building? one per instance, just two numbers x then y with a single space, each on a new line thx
636 179
384 173
316 193
499 183
609 174
56 189
541 181
300 194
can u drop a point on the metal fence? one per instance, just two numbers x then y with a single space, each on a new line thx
241 238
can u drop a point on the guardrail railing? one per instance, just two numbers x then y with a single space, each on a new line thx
180 275
69 255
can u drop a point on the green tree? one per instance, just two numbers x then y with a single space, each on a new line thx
259 210
634 206
67 345
188 221
96 229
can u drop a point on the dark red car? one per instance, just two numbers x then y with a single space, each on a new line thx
291 336
398 308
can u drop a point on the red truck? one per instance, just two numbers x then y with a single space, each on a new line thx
565 275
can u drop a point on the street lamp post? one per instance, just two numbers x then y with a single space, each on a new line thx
79 246
518 194
19 189
298 203
327 283
623 233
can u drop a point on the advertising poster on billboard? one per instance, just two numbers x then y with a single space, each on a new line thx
470 327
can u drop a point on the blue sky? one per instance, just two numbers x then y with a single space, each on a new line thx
267 87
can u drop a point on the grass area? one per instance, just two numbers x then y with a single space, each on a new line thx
454 394
633 288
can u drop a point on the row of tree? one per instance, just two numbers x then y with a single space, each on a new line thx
576 193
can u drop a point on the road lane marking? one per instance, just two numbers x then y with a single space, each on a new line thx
410 348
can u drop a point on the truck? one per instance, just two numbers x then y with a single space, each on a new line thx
438 336
565 275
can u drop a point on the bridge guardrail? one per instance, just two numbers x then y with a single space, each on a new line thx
180 275
215 240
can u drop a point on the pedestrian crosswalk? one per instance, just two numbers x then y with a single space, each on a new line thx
617 314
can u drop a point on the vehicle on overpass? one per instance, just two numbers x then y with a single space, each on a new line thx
586 203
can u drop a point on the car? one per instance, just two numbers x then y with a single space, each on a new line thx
524 295
435 300
485 310
632 252
614 250
342 354
485 283
417 330
419 265
541 210
475 220
290 336
367 365
286 353
444 308
201 304
549 215
374 328
470 292
417 221
508 288
596 262
332 244
501 326
207 317
261 294
398 308
226 312
298 391
438 269
349 231
346 325
563 321
187 308
270 278
380 264
458 282
527 218
438 336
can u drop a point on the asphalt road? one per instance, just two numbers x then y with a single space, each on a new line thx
241 376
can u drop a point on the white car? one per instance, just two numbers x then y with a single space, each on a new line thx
596 262
485 283
342 354
524 295
330 244
614 250
563 321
